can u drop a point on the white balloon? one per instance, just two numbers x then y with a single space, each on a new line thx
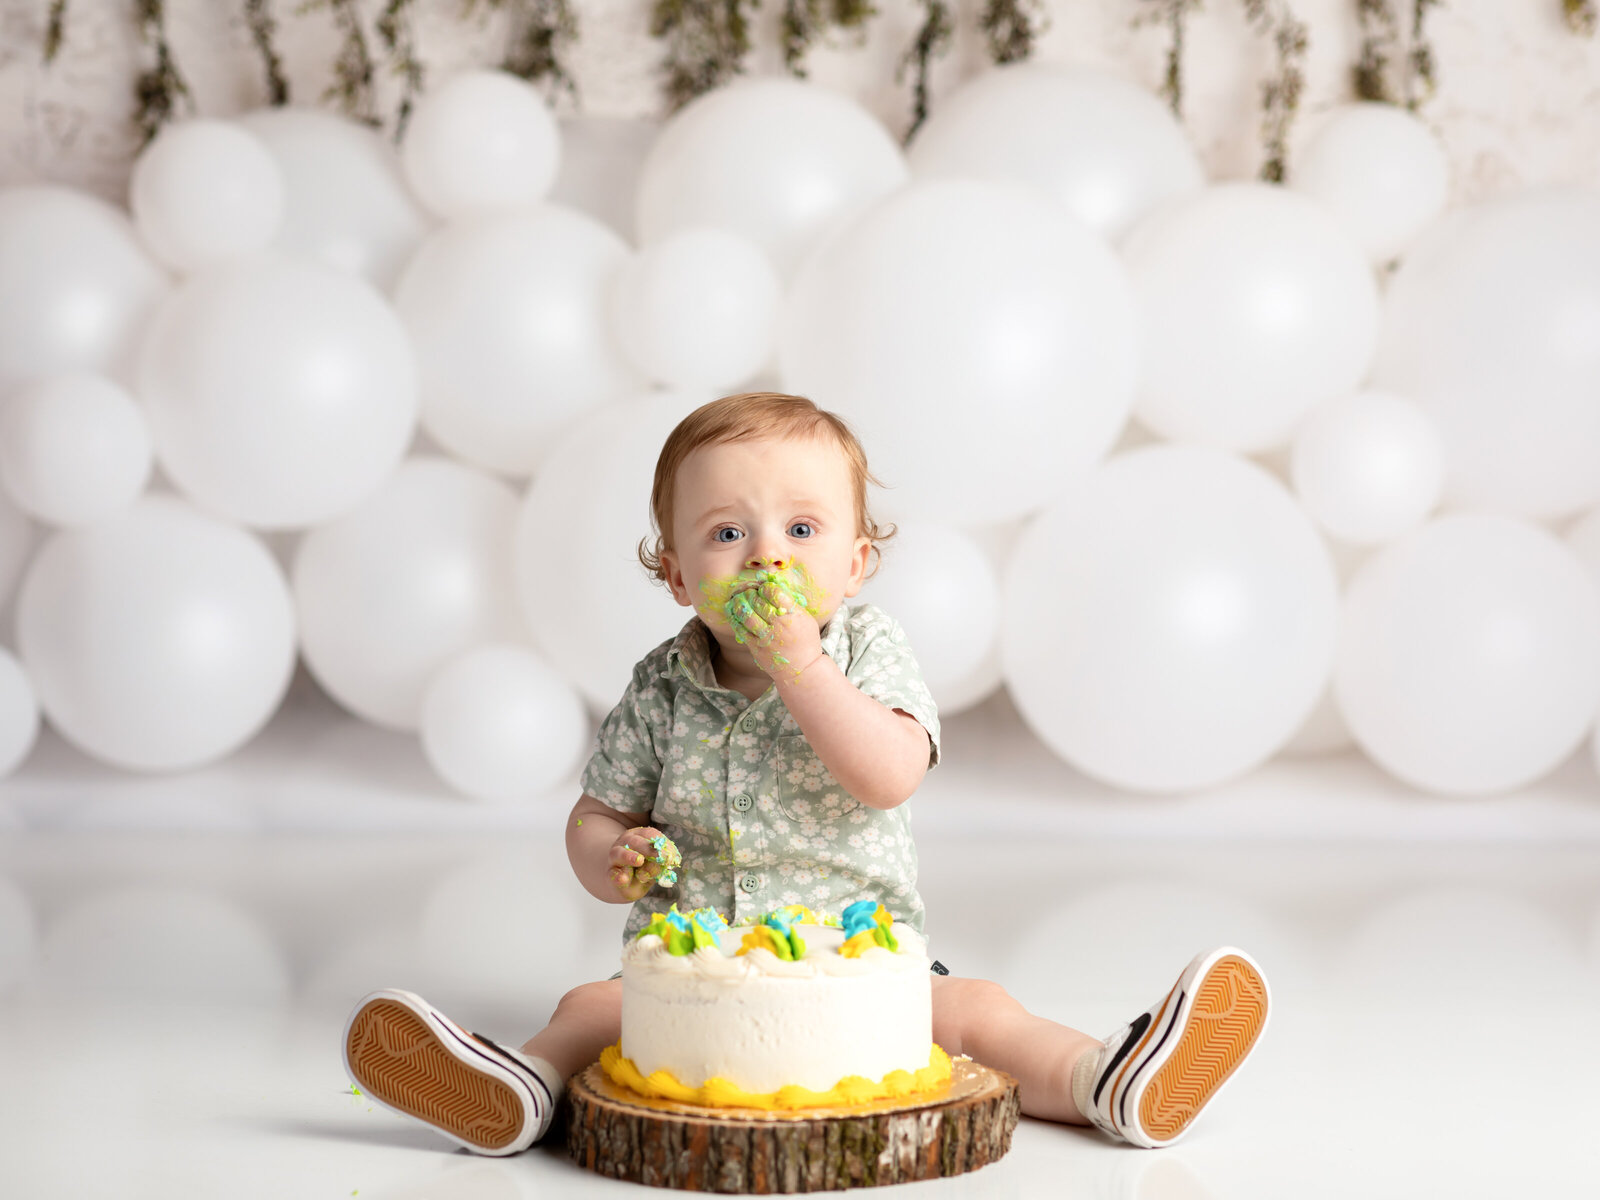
19 713
481 142
205 191
499 724
76 285
511 319
1379 170
698 309
390 591
1170 620
943 589
593 608
280 392
160 639
1469 655
1368 466
1107 148
972 322
346 203
778 160
1255 305
74 449
1492 325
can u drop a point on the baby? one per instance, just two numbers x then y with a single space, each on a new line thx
773 743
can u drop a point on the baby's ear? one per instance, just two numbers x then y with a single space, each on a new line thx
669 567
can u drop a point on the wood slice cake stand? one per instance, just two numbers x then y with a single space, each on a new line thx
965 1125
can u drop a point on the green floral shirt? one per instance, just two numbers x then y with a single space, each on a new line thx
758 818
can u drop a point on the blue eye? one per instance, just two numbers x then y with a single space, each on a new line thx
717 536
802 525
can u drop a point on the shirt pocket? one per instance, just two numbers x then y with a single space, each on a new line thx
807 790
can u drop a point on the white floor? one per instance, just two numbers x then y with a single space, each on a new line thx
177 956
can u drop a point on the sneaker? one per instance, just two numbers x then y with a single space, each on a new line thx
412 1059
1152 1077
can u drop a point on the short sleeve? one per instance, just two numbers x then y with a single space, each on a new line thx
883 666
624 768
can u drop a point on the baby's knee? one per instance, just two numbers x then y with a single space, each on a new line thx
603 996
961 1006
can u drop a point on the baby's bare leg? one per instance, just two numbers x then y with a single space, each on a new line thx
586 1021
981 1019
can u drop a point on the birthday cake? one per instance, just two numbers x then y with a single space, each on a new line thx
792 1012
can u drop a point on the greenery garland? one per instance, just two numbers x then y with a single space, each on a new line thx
933 40
707 42
806 22
160 89
542 31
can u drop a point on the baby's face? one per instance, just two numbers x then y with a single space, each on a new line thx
783 505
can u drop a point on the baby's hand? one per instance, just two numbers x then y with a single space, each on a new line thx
634 869
772 620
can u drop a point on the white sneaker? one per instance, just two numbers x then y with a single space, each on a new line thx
411 1058
1152 1077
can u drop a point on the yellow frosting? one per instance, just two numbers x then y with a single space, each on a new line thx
719 1093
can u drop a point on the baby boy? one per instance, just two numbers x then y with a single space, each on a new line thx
774 742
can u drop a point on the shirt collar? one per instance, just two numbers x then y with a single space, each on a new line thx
692 648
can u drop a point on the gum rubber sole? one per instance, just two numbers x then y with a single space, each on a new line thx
397 1058
1227 1015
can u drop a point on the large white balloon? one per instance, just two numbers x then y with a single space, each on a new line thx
74 448
1368 466
778 160
346 203
593 608
511 318
971 322
1170 620
19 713
1379 170
280 392
1469 654
1107 148
205 191
499 724
417 573
1492 324
1255 304
160 639
698 309
76 285
481 142
943 589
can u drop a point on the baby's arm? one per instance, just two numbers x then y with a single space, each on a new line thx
610 851
878 754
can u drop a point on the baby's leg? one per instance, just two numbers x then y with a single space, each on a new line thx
1145 1083
410 1057
586 1021
981 1019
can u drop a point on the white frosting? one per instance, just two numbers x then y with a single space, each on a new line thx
762 1023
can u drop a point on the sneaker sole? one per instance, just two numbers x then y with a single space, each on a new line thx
1225 1017
399 1059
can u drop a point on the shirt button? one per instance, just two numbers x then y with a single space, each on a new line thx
748 723
749 883
743 802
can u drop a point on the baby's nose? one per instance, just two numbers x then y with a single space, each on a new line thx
777 564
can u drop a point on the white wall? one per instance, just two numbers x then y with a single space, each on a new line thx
1518 104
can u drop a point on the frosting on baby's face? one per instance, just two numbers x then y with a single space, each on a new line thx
773 510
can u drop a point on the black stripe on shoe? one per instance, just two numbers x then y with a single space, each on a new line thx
523 1070
1135 1032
